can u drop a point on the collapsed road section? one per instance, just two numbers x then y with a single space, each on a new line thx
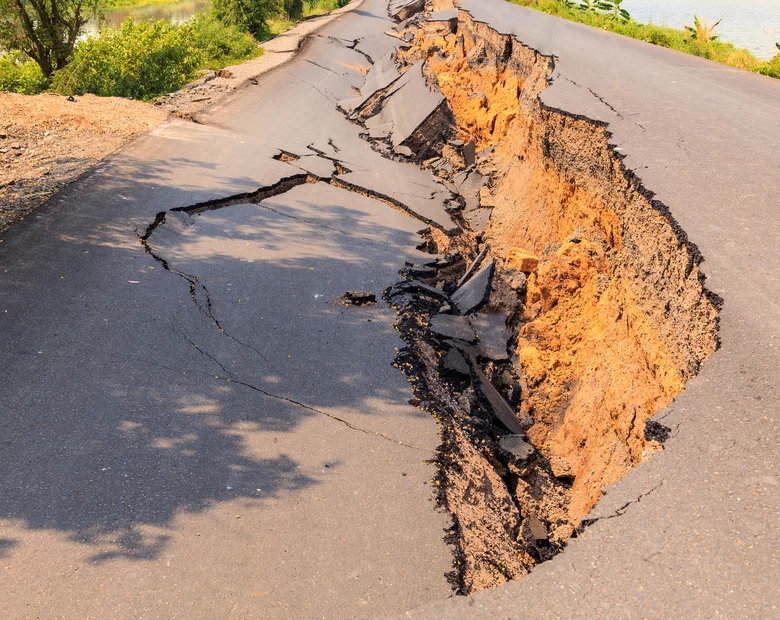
564 309
565 312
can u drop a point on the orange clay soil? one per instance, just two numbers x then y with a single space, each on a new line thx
615 318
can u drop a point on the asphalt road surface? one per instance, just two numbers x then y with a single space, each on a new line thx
237 447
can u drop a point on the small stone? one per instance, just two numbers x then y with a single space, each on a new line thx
576 235
403 150
522 260
517 446
561 468
515 278
456 143
534 529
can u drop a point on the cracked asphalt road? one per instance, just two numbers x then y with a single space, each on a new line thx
231 441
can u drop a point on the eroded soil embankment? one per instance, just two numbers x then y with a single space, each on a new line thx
608 314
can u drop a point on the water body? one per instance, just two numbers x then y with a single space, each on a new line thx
176 12
753 24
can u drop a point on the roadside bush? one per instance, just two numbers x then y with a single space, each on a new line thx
772 68
221 45
247 15
293 8
20 74
141 61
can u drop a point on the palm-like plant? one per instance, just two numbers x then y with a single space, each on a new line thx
589 5
618 12
613 8
701 31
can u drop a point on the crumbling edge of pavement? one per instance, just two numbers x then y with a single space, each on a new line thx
214 88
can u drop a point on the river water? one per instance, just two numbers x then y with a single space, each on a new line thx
176 12
753 24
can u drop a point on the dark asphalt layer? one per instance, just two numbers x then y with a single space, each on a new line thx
155 466
692 533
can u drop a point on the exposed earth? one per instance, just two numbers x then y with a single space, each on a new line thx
47 141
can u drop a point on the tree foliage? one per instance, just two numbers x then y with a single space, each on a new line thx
45 30
248 15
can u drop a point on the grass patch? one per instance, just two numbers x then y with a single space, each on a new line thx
672 38
147 59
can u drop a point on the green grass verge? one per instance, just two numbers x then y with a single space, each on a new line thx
680 40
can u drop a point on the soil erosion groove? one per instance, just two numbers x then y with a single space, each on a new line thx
600 301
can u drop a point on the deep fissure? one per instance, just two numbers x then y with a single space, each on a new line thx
600 288
604 307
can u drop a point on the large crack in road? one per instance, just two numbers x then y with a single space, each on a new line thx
494 331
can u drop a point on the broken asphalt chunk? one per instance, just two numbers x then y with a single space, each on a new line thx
500 407
381 75
469 153
478 218
416 286
475 291
454 362
451 326
421 271
400 10
411 107
443 16
493 335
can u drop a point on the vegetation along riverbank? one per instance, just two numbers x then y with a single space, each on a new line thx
699 39
139 60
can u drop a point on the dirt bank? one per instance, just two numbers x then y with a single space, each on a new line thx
49 140
604 307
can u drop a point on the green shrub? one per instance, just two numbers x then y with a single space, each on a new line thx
141 61
221 45
772 68
247 15
20 74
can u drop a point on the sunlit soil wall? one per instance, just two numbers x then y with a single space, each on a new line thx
615 318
